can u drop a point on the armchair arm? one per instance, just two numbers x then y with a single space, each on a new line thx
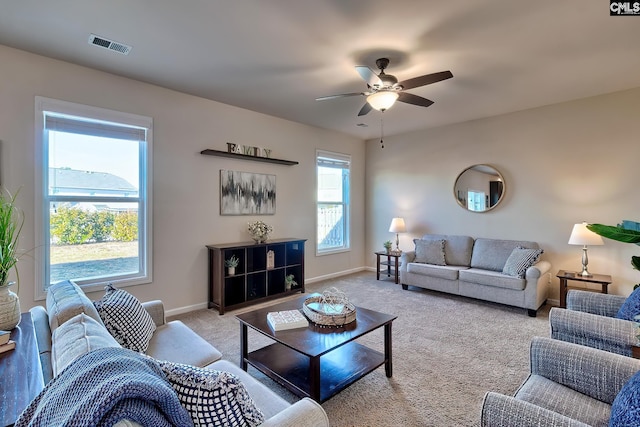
303 413
604 333
156 309
595 303
504 411
589 371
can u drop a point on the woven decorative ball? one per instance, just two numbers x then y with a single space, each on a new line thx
332 309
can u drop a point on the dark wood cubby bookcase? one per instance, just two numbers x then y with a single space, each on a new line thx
253 282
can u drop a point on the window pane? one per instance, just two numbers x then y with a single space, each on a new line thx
330 226
330 184
93 240
84 165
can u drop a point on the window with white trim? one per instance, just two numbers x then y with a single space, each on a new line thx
333 202
93 188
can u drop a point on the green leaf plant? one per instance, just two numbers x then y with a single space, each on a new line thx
621 233
11 222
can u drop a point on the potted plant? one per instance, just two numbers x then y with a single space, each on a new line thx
11 222
621 233
387 246
231 264
289 282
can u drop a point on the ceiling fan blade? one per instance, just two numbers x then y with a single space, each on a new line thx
426 79
410 98
368 75
342 95
365 109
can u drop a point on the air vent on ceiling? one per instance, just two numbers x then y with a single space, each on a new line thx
109 44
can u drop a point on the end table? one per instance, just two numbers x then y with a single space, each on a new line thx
392 264
564 276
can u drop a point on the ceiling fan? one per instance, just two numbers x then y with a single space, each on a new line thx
384 89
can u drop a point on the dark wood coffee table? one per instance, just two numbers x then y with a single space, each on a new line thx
315 362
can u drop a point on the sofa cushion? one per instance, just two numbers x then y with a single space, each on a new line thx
492 254
213 398
66 300
457 249
75 337
442 272
125 319
625 410
430 251
492 278
520 260
630 308
169 342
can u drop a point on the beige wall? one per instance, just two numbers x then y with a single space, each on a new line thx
562 164
186 183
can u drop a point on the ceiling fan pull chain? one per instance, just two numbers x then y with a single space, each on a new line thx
381 132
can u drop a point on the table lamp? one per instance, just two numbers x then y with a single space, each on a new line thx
397 226
581 235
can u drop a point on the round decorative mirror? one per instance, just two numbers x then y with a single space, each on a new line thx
479 188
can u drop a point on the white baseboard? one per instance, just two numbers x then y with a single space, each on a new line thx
185 309
190 308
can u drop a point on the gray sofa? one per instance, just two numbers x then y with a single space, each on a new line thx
474 268
80 330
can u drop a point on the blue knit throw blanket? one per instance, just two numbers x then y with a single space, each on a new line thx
103 387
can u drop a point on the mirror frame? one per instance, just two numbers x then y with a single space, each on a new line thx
479 166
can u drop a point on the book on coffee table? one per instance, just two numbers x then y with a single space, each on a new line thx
10 345
288 319
4 337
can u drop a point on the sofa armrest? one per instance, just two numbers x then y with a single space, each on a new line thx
592 330
538 270
595 303
156 309
406 258
303 413
40 321
499 410
595 373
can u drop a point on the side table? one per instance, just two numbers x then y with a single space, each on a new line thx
564 276
20 372
392 264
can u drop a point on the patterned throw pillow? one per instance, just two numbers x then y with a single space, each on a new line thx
519 260
429 251
213 398
631 307
126 319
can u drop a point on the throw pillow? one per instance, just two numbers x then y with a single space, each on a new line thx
519 260
213 398
625 410
126 319
631 307
430 251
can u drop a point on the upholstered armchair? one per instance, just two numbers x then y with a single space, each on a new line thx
569 385
590 320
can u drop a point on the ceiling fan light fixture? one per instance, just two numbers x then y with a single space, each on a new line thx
382 100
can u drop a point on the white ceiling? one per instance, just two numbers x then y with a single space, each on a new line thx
277 56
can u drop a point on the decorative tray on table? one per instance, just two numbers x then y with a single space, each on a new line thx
331 309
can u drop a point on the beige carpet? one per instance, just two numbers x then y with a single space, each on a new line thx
447 352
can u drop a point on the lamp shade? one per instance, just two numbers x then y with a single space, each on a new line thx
397 226
581 235
382 100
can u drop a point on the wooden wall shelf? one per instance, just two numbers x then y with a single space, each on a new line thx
219 153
